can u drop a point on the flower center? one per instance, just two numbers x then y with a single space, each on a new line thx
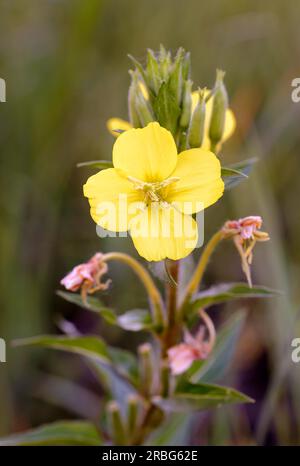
153 191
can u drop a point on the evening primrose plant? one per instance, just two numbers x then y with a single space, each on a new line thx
166 168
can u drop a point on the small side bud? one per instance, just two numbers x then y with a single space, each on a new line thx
186 66
133 115
115 422
132 414
153 72
220 105
141 105
146 368
197 125
175 80
164 62
186 104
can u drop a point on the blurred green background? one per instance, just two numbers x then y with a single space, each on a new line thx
65 65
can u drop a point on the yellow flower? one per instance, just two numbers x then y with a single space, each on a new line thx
114 124
152 192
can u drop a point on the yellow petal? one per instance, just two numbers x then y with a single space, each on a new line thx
230 125
144 90
148 154
110 197
161 231
114 124
200 183
230 122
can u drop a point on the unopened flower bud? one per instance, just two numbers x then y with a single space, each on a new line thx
132 413
186 66
153 72
197 124
220 105
164 62
146 368
116 424
141 104
186 104
175 80
133 114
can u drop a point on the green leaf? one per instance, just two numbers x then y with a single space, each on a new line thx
244 166
213 368
175 430
226 171
99 164
125 362
93 304
136 320
139 67
101 358
90 346
229 291
58 433
197 397
237 172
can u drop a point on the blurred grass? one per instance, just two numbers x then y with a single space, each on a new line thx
65 64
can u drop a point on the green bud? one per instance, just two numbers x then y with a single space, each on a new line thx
186 66
197 125
140 107
132 413
186 104
165 62
153 72
175 80
146 368
115 422
143 109
133 114
220 105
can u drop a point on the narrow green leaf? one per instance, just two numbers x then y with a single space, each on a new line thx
244 166
175 430
125 362
93 304
99 164
237 172
90 346
228 292
136 320
226 171
139 67
197 397
58 433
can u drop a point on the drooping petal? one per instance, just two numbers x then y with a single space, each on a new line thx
148 154
161 231
115 124
230 122
200 183
181 358
110 196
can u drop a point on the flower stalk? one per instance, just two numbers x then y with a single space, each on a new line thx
152 291
196 279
